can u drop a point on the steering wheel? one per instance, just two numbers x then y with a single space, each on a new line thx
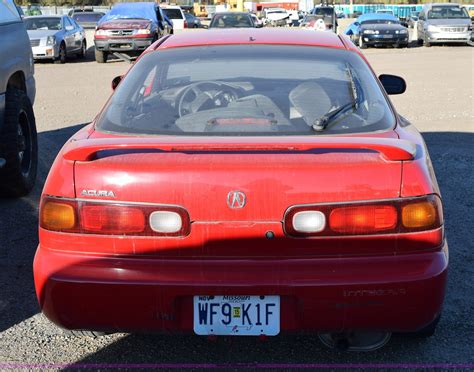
196 95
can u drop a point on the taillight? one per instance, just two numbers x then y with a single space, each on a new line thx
185 24
112 219
58 215
365 218
76 216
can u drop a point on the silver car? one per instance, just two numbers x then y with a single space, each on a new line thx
18 139
55 37
443 23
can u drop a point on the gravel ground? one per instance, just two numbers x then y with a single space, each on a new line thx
439 101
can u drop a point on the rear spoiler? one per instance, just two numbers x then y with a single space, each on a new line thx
390 148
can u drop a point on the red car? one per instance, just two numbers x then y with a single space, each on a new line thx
246 182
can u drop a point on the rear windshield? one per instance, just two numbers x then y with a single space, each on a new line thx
247 90
231 20
87 17
323 11
447 12
173 13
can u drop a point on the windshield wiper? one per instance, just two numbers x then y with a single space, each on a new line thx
324 121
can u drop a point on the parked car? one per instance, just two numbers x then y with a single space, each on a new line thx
229 188
314 22
374 29
257 21
55 37
276 17
87 20
412 19
192 20
328 15
443 23
176 15
18 141
80 10
293 18
130 28
231 20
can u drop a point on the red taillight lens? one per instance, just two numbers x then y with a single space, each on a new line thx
112 219
364 219
185 24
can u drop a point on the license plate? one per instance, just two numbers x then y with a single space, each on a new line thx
237 315
387 36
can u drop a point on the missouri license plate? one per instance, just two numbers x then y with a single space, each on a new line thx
237 315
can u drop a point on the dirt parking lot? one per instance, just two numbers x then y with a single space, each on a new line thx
439 101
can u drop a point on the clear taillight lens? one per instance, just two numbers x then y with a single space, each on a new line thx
309 221
166 222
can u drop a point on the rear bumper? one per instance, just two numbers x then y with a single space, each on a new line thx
393 293
123 44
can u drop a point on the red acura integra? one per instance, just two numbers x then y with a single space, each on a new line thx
246 182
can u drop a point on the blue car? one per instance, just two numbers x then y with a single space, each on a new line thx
374 29
55 37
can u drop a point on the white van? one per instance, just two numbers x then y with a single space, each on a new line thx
175 15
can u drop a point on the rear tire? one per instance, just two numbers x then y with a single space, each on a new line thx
18 139
82 53
100 56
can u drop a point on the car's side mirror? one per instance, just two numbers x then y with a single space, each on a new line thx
356 23
116 81
69 28
393 84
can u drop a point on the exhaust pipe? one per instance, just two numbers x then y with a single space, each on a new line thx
355 340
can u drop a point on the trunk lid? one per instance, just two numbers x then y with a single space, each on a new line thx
202 175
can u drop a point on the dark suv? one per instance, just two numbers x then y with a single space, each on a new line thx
129 28
18 141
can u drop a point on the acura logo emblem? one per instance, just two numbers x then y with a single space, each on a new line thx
236 199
